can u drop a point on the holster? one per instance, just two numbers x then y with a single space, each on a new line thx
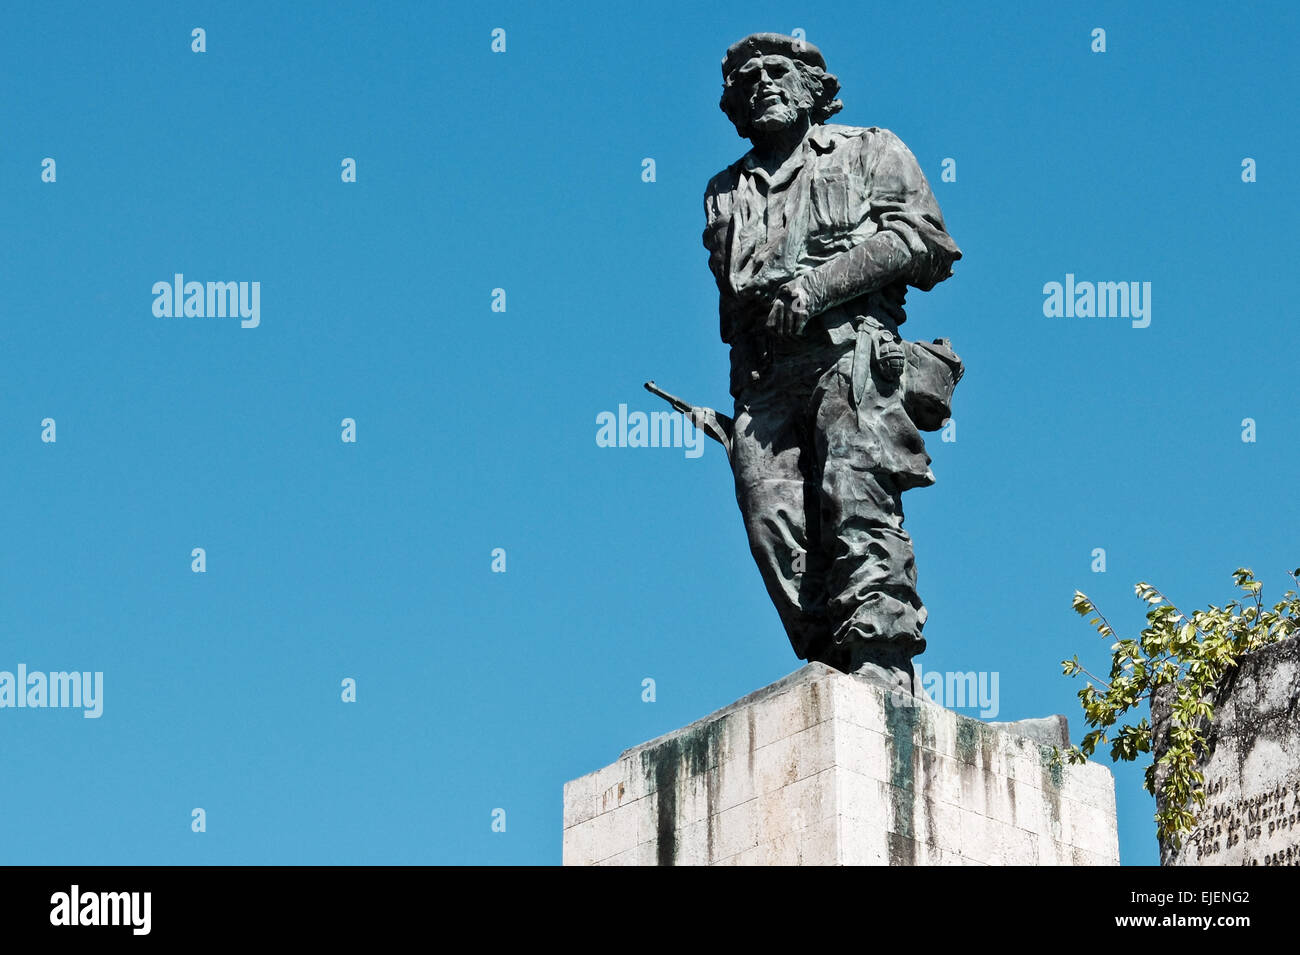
933 370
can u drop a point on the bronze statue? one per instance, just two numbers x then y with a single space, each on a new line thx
814 236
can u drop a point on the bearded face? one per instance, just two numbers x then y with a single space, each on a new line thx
771 93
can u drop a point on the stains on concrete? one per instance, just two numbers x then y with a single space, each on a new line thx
901 723
667 767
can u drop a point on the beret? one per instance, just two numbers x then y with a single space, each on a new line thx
761 44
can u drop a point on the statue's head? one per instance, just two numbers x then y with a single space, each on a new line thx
770 80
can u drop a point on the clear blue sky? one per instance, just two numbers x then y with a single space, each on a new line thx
476 429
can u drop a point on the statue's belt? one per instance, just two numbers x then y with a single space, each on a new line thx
926 372
762 351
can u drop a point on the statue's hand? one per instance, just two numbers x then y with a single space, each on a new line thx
789 313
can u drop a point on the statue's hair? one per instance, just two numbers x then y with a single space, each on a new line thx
823 87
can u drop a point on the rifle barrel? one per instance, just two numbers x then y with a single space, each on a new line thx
677 403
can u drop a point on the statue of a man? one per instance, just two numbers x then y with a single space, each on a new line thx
814 236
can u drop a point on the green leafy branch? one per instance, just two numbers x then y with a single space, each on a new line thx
1189 655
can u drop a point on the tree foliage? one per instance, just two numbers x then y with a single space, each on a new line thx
1189 655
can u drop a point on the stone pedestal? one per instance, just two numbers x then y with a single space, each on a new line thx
821 768
1252 769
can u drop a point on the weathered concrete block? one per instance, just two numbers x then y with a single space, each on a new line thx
827 769
1252 769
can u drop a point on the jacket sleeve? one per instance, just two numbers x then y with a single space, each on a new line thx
911 243
717 216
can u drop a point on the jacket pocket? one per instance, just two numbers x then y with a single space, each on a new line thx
836 200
